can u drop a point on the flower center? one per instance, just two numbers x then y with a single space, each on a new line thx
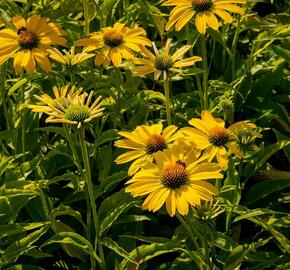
27 39
201 5
155 143
113 38
174 175
219 136
246 140
163 62
77 112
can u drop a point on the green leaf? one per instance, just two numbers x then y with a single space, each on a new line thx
147 239
265 188
106 136
223 242
74 239
12 229
111 244
24 267
16 86
217 36
20 247
113 216
282 52
254 213
144 253
261 157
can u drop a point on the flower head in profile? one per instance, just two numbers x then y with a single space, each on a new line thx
211 135
69 107
205 12
29 42
143 142
244 137
163 62
176 179
69 58
115 43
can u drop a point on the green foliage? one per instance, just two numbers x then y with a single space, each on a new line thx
46 215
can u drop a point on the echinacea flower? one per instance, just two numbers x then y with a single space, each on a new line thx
211 135
29 42
143 142
205 12
71 107
163 62
244 139
69 58
115 43
175 178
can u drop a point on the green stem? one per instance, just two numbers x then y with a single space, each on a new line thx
199 88
86 17
229 215
90 188
234 48
167 98
188 229
3 72
205 70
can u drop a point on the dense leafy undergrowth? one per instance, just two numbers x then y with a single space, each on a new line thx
120 153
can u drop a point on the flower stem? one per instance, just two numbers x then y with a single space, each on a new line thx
167 98
229 214
89 184
199 88
234 48
188 229
86 17
205 70
3 72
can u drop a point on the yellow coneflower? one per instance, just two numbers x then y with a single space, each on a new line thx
29 42
244 137
210 134
175 178
163 62
69 58
143 142
69 107
205 12
115 43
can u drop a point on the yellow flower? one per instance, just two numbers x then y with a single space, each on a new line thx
210 134
69 58
144 141
176 178
244 139
205 12
115 43
29 42
69 107
163 62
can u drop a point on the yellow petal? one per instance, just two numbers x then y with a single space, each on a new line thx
131 155
116 57
184 20
212 20
41 59
19 22
224 15
171 203
200 22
